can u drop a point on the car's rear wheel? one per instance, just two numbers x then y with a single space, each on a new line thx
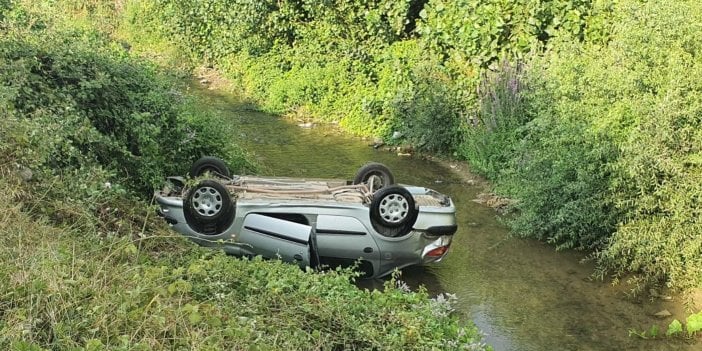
393 211
209 164
375 175
209 208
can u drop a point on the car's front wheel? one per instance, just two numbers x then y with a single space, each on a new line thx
209 208
393 211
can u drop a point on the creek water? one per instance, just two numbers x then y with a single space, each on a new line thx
521 293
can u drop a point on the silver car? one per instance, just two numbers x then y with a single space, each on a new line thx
369 222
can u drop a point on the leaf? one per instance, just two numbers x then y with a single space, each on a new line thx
131 249
674 328
653 332
194 317
694 323
94 345
172 289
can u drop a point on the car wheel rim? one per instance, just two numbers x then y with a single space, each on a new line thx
394 208
207 201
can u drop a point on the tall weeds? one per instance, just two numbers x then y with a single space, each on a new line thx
495 130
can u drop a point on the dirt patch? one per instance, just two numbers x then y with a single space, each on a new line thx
498 203
487 198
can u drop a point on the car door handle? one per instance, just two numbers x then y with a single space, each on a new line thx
368 250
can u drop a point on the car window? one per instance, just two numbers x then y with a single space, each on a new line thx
290 217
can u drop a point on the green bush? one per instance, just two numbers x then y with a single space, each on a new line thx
291 54
659 174
214 29
92 104
5 5
559 177
375 66
607 158
429 116
541 151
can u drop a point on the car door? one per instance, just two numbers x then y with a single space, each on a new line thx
273 238
343 241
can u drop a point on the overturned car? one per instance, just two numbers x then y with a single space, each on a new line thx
370 222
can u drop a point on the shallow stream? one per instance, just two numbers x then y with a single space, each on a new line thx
521 293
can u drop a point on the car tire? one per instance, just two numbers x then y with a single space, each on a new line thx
393 211
210 164
382 174
208 208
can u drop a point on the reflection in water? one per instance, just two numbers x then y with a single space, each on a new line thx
521 293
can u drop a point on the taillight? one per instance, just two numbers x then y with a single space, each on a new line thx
438 252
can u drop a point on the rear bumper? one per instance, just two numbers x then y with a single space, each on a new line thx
436 250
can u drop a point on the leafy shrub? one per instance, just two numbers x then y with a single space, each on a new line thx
291 55
93 104
561 169
141 30
371 23
659 173
609 160
5 5
544 154
214 29
362 62
559 178
430 115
